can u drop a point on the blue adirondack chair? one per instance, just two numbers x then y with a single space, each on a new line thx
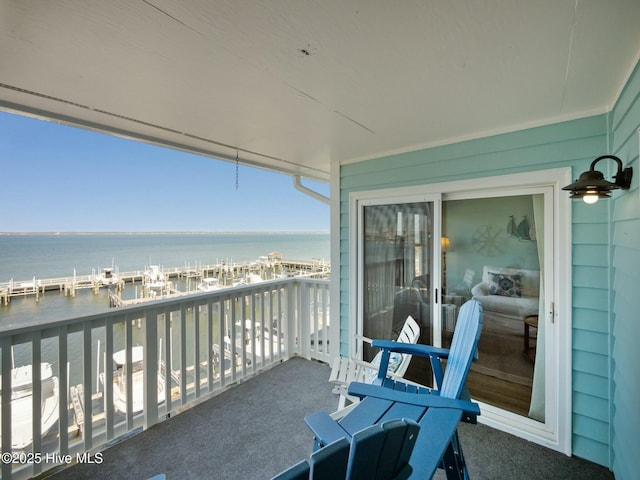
440 409
463 350
378 452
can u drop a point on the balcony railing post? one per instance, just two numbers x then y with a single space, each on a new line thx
291 331
275 322
150 372
240 322
230 319
36 396
221 345
87 372
210 369
326 353
266 342
253 314
128 345
196 348
183 355
63 389
168 361
107 384
5 344
304 310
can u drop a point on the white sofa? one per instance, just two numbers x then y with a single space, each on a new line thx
507 295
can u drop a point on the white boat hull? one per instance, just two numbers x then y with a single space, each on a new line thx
119 379
120 392
22 404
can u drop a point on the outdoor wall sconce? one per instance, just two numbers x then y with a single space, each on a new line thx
591 185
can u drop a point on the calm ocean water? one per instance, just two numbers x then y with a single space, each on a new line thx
23 257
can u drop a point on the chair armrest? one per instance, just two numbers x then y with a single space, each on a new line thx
325 429
435 354
363 364
363 338
411 348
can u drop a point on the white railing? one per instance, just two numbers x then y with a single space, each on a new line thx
193 347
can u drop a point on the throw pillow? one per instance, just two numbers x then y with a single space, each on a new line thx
505 285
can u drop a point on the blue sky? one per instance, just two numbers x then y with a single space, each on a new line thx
57 178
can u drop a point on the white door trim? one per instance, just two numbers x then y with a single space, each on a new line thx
555 433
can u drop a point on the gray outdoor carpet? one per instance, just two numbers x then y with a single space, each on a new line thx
256 429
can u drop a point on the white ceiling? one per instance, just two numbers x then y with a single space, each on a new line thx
300 85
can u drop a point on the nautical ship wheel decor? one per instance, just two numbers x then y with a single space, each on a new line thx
488 240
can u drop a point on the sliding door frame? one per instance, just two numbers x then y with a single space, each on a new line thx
555 433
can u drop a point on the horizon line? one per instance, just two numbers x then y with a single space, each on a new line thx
165 232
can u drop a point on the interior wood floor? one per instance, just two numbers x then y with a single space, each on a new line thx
502 377
504 394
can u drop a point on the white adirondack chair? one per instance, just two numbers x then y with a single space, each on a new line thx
346 370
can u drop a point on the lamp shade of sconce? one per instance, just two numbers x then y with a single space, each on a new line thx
592 186
445 244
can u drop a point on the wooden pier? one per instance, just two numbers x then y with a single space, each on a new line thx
268 267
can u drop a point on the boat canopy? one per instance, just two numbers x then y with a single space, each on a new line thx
137 355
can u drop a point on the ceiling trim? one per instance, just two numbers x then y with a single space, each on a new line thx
482 134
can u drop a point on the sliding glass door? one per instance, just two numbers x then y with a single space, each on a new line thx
494 255
425 255
397 263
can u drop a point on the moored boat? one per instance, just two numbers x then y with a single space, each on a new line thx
108 277
22 403
119 378
154 279
209 284
248 279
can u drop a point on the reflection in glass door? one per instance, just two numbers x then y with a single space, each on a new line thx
493 254
397 246
489 249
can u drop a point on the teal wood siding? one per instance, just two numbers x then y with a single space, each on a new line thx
574 143
625 297
591 327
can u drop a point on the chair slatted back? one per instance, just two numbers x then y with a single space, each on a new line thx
410 333
330 461
378 452
463 349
